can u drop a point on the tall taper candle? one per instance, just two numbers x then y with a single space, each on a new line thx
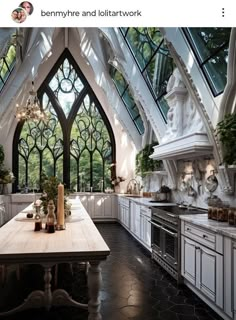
60 206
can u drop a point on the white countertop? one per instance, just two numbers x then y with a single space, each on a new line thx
216 226
146 201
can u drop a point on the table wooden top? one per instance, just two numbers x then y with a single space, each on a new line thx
81 240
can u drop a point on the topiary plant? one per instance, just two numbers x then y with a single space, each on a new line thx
144 163
227 132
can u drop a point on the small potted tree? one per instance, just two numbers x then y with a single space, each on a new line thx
227 134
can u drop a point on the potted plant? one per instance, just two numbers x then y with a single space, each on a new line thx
144 163
50 192
227 133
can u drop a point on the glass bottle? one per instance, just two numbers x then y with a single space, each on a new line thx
38 219
51 218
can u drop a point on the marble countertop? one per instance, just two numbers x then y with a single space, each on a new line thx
219 227
146 201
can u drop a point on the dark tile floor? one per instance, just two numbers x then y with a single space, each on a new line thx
134 287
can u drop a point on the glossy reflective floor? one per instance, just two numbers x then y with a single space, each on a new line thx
134 287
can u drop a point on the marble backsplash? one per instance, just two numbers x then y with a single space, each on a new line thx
193 181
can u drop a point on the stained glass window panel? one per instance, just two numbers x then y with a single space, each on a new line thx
66 86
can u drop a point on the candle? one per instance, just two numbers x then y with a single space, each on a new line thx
60 206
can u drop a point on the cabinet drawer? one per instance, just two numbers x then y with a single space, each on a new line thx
124 201
201 235
145 211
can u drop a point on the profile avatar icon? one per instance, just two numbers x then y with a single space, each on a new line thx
19 15
27 6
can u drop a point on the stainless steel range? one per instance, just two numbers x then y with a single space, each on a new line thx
166 237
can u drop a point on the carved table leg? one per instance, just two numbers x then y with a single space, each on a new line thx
47 287
94 285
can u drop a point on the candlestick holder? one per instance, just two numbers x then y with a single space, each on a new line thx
60 227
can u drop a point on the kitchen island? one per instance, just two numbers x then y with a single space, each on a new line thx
81 241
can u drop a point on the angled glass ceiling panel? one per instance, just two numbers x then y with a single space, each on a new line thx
210 46
144 43
127 98
159 70
119 80
7 63
153 59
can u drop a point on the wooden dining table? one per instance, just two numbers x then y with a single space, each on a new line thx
79 242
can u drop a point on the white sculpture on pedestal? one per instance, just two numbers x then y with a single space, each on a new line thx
182 117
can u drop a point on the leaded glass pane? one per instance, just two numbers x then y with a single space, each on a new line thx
153 58
97 171
34 169
127 97
85 170
6 65
159 70
144 42
41 143
211 48
139 124
66 86
119 80
90 147
209 40
216 68
163 105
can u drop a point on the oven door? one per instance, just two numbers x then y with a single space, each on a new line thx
156 236
165 242
170 245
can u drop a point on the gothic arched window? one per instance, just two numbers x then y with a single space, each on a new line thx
76 144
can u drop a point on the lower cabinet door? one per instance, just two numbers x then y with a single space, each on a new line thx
147 231
209 278
188 260
203 268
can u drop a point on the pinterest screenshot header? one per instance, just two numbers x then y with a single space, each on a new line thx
105 13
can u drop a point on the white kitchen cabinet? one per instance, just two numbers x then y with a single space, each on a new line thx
145 226
234 278
124 212
202 266
135 218
101 206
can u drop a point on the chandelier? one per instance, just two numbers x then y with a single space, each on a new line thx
32 109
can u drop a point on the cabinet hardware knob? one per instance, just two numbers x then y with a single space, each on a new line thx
164 255
205 236
175 263
188 229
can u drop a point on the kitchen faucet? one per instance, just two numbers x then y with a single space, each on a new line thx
136 186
